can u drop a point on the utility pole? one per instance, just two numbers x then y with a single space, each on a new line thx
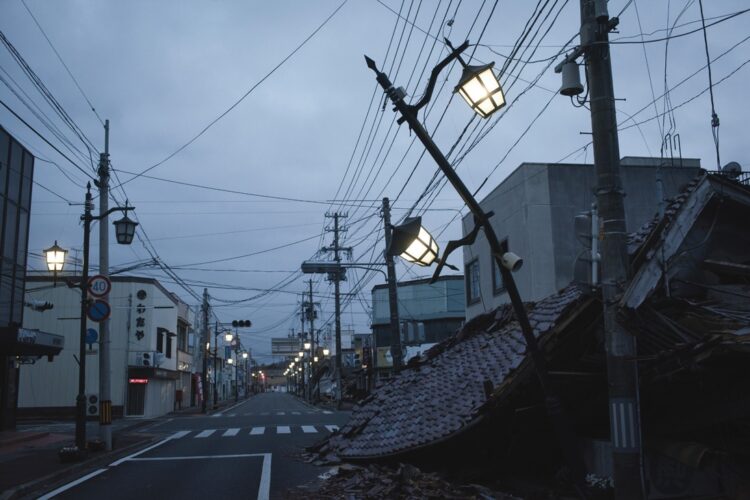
105 382
311 319
337 277
392 291
206 350
622 368
302 336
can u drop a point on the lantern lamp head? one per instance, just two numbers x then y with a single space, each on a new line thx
413 243
481 89
55 256
125 229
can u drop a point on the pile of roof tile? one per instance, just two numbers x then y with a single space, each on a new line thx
401 481
450 388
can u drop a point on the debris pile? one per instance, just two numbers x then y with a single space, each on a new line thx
379 481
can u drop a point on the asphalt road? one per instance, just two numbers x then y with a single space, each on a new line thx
250 450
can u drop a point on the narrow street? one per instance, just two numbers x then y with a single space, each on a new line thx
249 450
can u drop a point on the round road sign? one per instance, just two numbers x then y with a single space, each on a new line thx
91 336
99 285
99 310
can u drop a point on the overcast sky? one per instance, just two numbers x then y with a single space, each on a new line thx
312 131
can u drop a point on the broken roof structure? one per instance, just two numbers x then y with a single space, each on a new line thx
688 304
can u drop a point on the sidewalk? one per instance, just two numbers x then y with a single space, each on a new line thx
29 459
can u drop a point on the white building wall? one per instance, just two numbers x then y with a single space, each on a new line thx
55 385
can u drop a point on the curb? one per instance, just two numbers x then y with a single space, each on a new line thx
30 436
50 480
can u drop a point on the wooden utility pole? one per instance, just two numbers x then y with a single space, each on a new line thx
396 353
622 367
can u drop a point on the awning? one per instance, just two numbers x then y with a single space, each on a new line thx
18 341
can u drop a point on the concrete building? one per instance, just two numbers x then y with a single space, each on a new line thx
17 344
535 209
428 313
150 333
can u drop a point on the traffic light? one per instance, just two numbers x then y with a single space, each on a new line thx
241 323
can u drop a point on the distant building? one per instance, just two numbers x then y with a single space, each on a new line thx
535 209
149 350
428 313
17 345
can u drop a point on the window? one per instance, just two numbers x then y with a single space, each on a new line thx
159 340
169 345
472 282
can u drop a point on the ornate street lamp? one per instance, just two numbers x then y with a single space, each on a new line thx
228 337
485 97
326 351
245 355
126 227
307 346
413 243
230 361
55 257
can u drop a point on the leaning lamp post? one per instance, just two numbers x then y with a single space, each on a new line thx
482 91
124 230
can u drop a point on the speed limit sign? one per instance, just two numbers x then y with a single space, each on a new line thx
99 285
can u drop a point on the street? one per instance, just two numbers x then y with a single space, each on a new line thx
249 450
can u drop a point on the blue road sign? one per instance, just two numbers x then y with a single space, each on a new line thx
99 310
91 336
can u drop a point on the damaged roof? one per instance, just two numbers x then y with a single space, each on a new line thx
445 392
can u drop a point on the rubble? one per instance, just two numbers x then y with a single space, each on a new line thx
379 481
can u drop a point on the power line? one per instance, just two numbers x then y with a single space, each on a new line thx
236 103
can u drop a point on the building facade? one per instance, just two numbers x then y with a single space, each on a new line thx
150 329
428 313
17 345
535 209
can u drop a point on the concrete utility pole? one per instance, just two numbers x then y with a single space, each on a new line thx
392 291
622 368
302 336
205 350
311 318
337 276
105 379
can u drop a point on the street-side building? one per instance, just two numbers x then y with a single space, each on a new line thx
145 349
428 313
534 211
17 344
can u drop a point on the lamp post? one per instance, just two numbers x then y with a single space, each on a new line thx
482 91
124 229
55 257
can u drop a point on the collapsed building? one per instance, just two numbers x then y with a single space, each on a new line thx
471 406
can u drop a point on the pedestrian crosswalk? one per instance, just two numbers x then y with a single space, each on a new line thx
274 413
257 431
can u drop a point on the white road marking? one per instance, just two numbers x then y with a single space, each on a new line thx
296 413
180 434
217 415
248 414
327 412
264 490
283 429
332 428
78 481
205 434
257 430
231 432
308 429
176 435
281 413
265 413
232 415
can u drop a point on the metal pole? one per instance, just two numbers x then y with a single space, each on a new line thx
392 290
565 435
337 292
205 342
105 380
622 367
84 284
